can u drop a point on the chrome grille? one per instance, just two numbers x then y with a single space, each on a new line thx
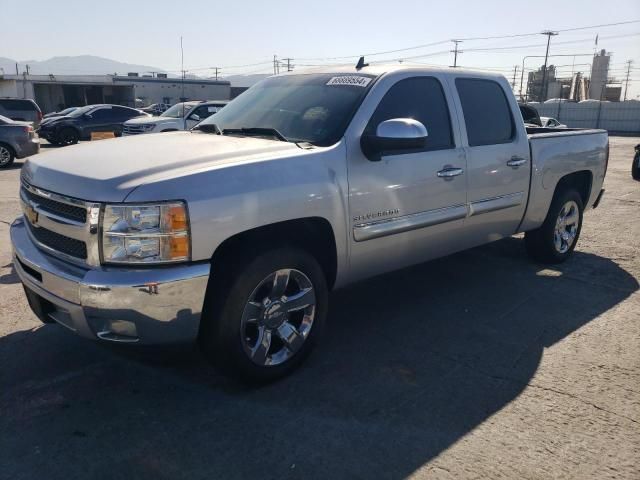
60 243
133 129
71 212
62 226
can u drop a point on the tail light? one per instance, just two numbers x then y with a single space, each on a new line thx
28 129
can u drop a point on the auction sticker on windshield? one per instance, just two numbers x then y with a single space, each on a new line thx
352 80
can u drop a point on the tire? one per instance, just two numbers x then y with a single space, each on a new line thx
554 241
67 136
239 320
635 167
7 155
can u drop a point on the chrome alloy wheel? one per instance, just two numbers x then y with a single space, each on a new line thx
566 227
278 317
5 156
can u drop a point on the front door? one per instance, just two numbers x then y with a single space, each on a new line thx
403 209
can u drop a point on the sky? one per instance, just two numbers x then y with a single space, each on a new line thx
242 36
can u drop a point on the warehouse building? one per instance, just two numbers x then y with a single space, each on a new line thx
55 92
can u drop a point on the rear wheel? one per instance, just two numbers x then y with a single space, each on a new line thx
67 136
557 237
6 155
266 322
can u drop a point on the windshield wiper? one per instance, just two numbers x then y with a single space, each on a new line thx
271 132
208 128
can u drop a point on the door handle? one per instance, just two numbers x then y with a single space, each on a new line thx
515 162
450 172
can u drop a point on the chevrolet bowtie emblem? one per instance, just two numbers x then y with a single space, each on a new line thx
32 214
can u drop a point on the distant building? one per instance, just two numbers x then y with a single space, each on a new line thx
535 91
599 75
576 87
55 92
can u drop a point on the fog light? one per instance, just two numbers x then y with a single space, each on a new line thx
122 327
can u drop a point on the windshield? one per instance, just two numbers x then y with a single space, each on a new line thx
67 111
177 110
80 111
313 108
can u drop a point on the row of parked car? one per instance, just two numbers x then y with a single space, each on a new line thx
22 123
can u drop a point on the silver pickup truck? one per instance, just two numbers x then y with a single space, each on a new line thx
232 235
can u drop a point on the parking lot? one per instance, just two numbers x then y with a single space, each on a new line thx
478 365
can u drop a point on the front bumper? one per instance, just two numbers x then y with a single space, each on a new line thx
156 305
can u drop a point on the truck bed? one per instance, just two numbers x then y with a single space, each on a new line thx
556 153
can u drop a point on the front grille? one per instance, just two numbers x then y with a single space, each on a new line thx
71 212
68 246
133 129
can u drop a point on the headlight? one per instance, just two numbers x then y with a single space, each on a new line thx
148 126
156 233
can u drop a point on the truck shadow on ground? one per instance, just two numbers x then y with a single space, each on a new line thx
410 363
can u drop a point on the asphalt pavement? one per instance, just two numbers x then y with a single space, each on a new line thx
479 365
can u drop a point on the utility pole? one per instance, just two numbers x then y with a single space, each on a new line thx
289 66
275 64
549 34
217 69
626 86
515 72
27 67
455 52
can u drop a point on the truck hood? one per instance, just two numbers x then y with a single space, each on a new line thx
108 170
147 120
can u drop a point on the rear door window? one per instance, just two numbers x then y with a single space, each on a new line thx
487 114
124 113
17 104
422 99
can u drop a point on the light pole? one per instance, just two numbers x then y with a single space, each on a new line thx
549 34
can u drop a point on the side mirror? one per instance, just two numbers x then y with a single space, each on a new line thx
195 117
394 135
88 115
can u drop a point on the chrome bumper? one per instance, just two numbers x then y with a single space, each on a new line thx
155 305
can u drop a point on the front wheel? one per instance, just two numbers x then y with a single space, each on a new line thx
268 318
557 237
67 136
635 167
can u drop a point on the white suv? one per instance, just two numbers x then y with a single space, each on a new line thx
182 116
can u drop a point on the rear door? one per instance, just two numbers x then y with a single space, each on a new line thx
121 115
402 212
498 163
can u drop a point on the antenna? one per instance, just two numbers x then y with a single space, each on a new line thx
361 63
182 69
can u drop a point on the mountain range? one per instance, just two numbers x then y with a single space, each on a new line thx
77 65
93 65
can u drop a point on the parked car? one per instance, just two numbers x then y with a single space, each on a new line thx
635 166
232 234
182 116
17 140
61 113
530 115
156 108
21 109
549 122
79 124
